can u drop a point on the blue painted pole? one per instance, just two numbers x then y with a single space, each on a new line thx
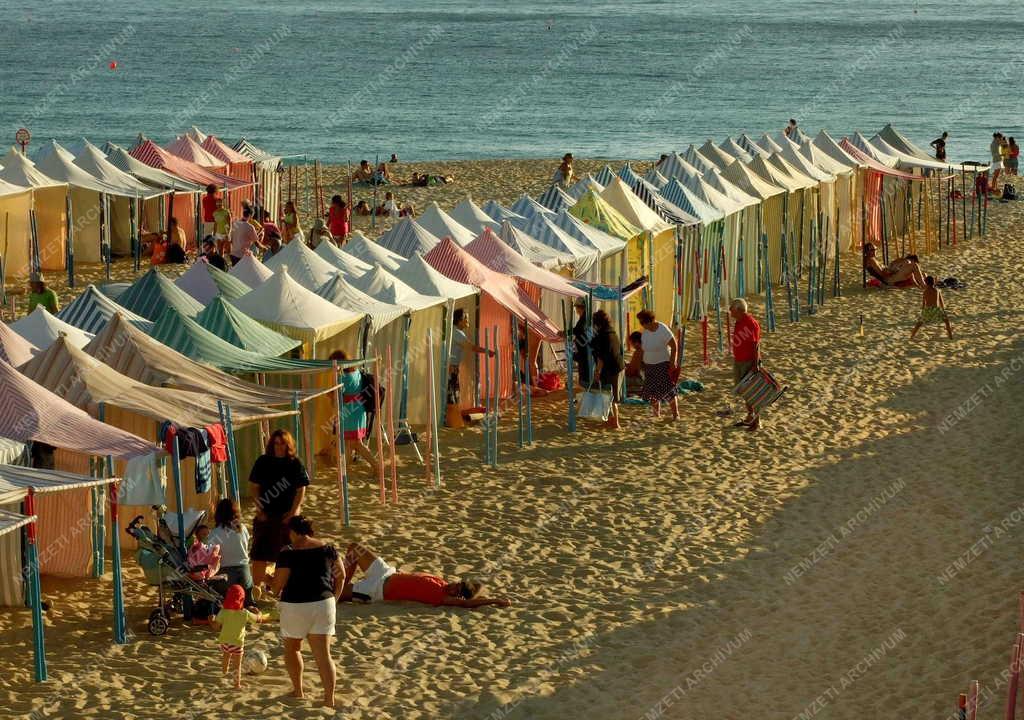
342 456
229 430
120 625
518 380
569 341
35 590
178 496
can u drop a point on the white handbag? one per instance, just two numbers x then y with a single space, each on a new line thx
594 404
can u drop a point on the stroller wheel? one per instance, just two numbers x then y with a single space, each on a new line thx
157 625
157 612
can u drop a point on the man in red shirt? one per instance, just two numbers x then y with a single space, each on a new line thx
746 351
382 582
209 203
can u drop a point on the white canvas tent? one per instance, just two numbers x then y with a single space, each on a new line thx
440 224
304 266
472 217
49 200
41 329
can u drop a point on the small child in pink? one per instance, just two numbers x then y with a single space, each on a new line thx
203 559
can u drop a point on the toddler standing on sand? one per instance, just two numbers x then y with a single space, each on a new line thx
232 621
933 308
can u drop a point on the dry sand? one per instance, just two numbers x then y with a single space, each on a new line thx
682 570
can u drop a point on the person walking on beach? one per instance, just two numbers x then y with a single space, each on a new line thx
231 621
933 309
338 217
564 174
660 352
746 352
995 150
355 417
608 358
939 144
243 236
290 223
309 580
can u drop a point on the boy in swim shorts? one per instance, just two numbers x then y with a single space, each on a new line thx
933 309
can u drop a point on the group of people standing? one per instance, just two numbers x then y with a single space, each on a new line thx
1005 157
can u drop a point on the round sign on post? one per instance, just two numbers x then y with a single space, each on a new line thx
22 137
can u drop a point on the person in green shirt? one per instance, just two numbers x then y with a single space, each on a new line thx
232 621
39 294
221 220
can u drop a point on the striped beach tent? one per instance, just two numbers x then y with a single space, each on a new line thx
304 266
678 194
91 310
674 165
531 248
751 147
250 270
498 212
555 199
604 176
422 277
716 155
697 160
736 150
381 285
723 185
489 249
472 217
528 207
547 232
590 236
649 195
151 293
48 197
371 253
229 323
439 223
93 161
266 167
655 178
14 349
155 177
767 142
155 156
824 142
408 238
342 293
41 329
186 147
204 282
587 182
346 263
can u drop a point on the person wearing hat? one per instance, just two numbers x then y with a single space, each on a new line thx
318 233
39 294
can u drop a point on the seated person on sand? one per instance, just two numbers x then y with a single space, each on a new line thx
363 208
364 173
901 272
382 175
381 582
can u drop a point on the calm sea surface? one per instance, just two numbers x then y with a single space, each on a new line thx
453 79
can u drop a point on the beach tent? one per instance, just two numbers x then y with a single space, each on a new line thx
472 217
697 160
674 165
250 270
528 207
555 199
186 147
267 173
422 277
715 155
346 263
801 206
604 176
533 249
408 238
770 223
489 249
284 305
884 193
151 293
439 223
239 166
585 183
91 310
545 231
653 199
768 143
632 259
41 329
380 328
498 212
371 253
304 266
14 349
847 217
229 323
861 143
909 161
655 178
611 250
204 282
900 142
751 147
824 142
736 150
49 199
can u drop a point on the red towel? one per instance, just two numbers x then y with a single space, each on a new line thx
218 442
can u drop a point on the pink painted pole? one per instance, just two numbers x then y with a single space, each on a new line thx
390 413
1011 690
972 701
380 441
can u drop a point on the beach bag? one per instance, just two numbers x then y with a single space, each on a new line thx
594 404
1009 192
550 381
759 389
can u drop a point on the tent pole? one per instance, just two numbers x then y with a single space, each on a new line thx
35 590
570 394
297 425
379 427
178 495
342 457
229 431
487 397
69 234
518 378
390 413
120 629
497 399
434 448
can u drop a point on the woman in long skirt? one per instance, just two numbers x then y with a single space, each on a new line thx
660 351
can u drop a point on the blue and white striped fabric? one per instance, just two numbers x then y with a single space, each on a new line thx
555 199
655 178
499 212
678 194
528 207
91 310
697 160
547 232
605 176
152 293
587 182
408 238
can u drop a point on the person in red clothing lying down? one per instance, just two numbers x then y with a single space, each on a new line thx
382 582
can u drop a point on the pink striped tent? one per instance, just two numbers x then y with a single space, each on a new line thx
187 148
239 166
495 254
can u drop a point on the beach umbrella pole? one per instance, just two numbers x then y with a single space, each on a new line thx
342 457
34 590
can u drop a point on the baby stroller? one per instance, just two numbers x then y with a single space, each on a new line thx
163 564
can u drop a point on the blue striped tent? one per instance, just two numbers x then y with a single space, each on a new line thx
680 195
528 207
499 212
666 209
91 310
204 282
587 182
547 232
531 248
675 165
752 148
694 158
605 175
408 238
590 236
152 293
655 178
555 199
232 325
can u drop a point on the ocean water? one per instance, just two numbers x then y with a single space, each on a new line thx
457 79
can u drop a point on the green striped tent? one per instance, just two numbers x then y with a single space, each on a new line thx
204 282
232 325
152 293
191 339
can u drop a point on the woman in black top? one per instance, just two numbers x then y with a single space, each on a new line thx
308 580
608 360
282 482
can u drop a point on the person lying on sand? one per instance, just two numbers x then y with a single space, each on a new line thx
382 582
905 268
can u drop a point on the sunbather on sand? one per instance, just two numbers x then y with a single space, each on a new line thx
898 272
382 582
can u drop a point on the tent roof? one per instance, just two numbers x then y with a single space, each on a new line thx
371 253
820 159
31 412
250 270
11 521
716 155
908 160
459 265
133 353
798 160
690 201
418 274
499 212
188 337
655 178
229 323
528 207
304 266
711 195
697 160
750 182
15 480
60 166
85 382
768 143
408 238
93 161
861 143
19 170
155 156
824 142
751 147
555 199
653 199
7 189
495 254
344 262
472 217
794 173
340 292
186 147
204 282
547 232
148 174
587 182
91 310
900 142
52 147
724 185
14 349
871 163
531 248
604 176
674 165
382 285
41 329
621 197
739 152
284 305
221 151
436 221
262 157
594 210
151 293
590 235
773 175
196 134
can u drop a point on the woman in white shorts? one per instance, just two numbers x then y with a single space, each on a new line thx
308 580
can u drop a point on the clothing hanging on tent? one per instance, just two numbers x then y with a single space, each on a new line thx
143 482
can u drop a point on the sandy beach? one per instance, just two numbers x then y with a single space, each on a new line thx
858 555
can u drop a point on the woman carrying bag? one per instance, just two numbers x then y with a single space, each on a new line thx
608 362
